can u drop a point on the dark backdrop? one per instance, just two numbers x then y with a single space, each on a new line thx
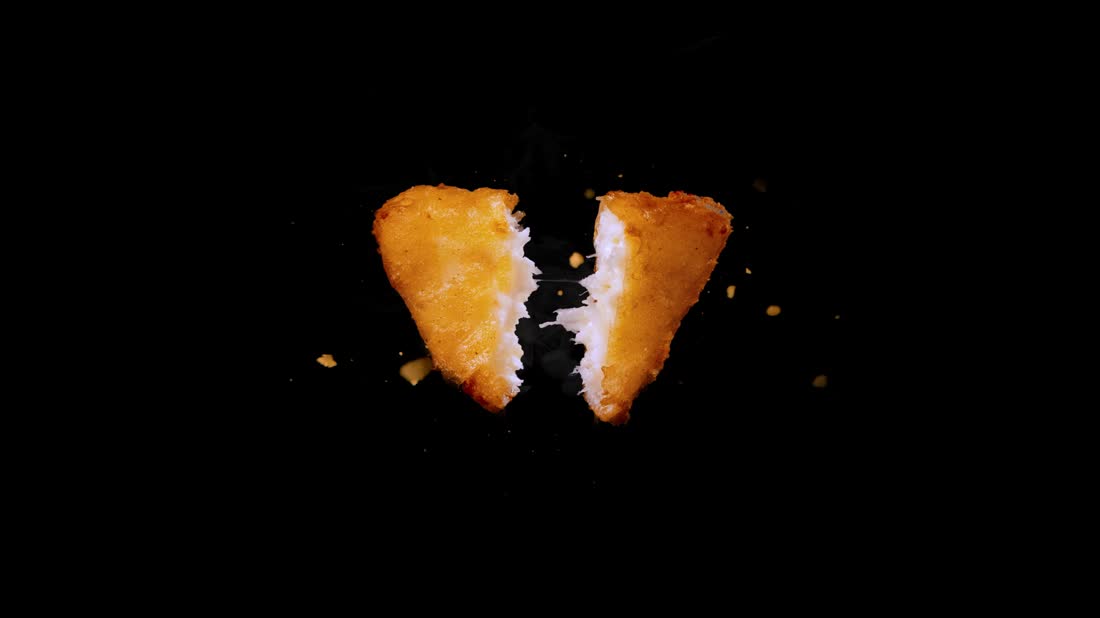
734 409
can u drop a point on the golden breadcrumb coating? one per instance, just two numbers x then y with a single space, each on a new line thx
450 254
673 245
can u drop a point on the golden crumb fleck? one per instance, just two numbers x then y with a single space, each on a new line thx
416 370
773 310
760 185
518 215
560 292
730 290
620 175
400 353
589 194
748 271
821 381
327 360
576 260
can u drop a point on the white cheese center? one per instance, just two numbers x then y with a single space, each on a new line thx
592 323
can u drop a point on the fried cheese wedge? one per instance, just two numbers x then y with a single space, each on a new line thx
653 257
456 258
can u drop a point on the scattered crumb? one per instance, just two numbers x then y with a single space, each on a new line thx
589 194
518 215
820 381
576 260
400 353
416 370
730 290
560 292
327 360
836 317
773 310
620 175
748 271
760 185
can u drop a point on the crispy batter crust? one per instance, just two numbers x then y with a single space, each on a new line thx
446 252
673 244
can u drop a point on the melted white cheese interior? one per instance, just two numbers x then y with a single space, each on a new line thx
592 323
508 358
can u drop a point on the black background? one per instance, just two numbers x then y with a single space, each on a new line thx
732 411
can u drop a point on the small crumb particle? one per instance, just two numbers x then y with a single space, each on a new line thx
730 290
821 381
416 370
327 360
773 310
576 260
748 271
560 292
400 353
836 317
760 185
518 215
589 194
565 155
620 175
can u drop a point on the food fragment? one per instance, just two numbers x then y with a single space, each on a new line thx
327 360
760 185
589 194
748 271
836 317
400 353
773 310
560 292
576 260
821 381
620 175
730 290
416 370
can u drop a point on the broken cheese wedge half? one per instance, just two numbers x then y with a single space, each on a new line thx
653 257
456 258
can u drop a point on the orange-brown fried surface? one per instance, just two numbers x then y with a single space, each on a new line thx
673 244
447 253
